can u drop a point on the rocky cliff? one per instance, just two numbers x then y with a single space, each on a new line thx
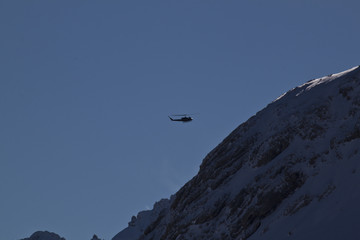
290 171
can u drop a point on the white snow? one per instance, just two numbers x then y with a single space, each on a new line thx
313 129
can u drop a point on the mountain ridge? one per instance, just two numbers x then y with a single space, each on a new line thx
262 171
44 235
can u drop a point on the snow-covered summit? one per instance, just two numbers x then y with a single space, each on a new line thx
289 172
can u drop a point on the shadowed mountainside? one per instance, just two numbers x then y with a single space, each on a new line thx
289 171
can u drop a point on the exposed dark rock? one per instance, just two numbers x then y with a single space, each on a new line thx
263 167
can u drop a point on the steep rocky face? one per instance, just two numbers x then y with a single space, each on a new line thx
44 235
293 162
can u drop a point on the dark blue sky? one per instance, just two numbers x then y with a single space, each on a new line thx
86 88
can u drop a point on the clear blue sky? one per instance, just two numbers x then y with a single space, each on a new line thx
86 88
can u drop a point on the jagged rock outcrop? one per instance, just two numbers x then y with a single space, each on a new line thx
292 170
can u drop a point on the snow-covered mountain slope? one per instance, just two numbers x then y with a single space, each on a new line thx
44 235
292 171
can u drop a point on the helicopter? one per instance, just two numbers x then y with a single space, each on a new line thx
184 118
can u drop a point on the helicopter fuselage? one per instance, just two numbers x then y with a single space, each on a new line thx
183 119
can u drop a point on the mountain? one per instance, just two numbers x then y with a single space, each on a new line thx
44 235
95 237
289 172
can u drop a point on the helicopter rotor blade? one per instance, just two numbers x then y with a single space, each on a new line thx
187 114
